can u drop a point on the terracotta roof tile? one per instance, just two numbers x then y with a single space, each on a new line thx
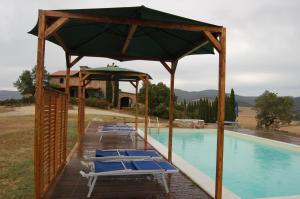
63 73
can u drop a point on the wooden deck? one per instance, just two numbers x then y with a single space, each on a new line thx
71 185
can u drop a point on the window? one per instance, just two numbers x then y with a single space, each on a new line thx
61 80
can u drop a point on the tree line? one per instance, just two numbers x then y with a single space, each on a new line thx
203 108
207 109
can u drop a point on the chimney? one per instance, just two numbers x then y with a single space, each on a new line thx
84 67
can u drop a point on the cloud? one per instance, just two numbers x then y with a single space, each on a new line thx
262 43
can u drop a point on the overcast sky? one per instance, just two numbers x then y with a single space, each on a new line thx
263 45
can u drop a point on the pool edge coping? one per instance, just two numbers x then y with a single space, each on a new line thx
270 142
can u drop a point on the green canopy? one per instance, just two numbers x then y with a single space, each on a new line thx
113 73
105 39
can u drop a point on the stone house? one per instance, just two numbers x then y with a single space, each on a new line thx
94 88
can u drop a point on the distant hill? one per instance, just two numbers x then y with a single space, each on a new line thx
4 94
211 94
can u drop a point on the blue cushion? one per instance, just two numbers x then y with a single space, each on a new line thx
166 165
117 129
129 165
149 153
108 166
146 165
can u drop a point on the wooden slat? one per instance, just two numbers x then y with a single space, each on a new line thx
130 21
53 127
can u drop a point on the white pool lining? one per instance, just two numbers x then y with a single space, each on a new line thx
205 181
201 179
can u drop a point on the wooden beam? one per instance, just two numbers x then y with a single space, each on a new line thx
85 76
131 21
136 106
192 49
38 105
120 56
86 83
55 26
60 41
133 84
221 115
213 40
171 110
128 38
146 82
167 67
77 59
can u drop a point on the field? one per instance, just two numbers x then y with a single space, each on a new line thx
16 149
16 143
247 120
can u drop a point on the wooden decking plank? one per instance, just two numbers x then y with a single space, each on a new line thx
71 185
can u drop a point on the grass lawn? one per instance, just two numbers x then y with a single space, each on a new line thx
16 149
16 160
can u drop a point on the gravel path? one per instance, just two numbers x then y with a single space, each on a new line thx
29 110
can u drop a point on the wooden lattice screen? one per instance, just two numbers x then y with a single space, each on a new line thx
52 136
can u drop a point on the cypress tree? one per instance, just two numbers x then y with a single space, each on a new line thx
109 91
231 103
216 109
184 108
116 94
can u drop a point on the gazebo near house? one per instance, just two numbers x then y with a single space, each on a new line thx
86 75
124 34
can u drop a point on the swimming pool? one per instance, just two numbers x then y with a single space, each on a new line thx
253 167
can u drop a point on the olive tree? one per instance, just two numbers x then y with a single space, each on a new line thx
272 110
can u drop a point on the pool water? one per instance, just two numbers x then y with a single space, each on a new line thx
251 169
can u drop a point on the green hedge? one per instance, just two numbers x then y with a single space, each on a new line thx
17 102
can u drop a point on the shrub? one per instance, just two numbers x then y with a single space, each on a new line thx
99 103
17 102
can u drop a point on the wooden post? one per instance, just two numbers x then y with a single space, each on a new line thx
221 114
146 110
171 110
83 106
136 104
39 104
113 93
67 91
79 120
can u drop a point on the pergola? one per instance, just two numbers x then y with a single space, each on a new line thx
113 74
132 33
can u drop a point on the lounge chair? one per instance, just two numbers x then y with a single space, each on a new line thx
121 154
157 168
116 129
